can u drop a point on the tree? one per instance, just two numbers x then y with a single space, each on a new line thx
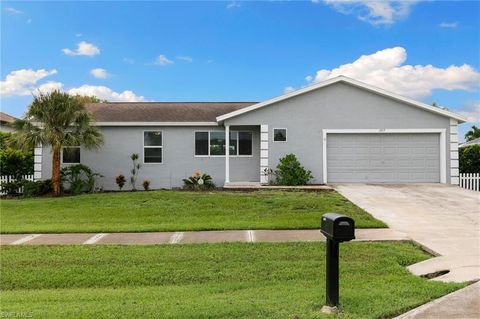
472 134
57 120
84 99
14 162
469 159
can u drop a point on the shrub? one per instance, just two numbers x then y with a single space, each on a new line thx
290 172
469 159
37 188
135 168
198 181
79 178
120 180
12 188
14 162
146 184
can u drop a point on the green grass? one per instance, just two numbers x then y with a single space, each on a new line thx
262 280
176 211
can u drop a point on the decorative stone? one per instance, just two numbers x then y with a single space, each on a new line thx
329 310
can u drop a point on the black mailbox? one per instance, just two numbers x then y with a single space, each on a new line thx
338 227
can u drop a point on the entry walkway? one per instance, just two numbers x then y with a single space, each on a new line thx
154 238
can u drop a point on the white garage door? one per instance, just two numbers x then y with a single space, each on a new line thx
383 158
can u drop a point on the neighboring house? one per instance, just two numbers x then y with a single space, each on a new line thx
342 130
472 142
6 122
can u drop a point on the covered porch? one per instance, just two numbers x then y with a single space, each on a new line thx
245 169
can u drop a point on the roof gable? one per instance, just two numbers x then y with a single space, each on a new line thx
350 81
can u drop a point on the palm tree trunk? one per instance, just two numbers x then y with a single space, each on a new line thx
56 172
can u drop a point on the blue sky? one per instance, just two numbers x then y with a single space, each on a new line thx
239 51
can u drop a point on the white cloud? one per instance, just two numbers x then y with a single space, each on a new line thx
451 25
99 73
163 60
386 69
78 35
185 58
384 12
308 78
233 4
105 93
288 89
48 87
12 10
83 48
24 82
471 111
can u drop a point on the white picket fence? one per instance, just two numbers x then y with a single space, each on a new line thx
6 179
470 181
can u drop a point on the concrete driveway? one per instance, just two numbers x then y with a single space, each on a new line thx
443 218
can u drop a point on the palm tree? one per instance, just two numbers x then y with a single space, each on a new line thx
472 134
57 120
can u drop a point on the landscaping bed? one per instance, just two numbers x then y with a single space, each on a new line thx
177 211
261 280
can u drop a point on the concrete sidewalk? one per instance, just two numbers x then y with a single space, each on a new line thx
154 238
461 304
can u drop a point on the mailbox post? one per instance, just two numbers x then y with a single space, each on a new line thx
336 228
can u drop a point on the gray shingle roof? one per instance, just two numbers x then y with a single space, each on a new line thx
6 118
162 111
472 142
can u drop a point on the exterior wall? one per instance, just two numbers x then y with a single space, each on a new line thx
6 128
454 166
37 166
179 162
338 106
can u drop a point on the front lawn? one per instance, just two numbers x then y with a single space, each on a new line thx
176 211
261 280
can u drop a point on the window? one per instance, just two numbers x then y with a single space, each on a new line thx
217 143
201 143
152 147
71 155
244 143
233 143
279 134
212 143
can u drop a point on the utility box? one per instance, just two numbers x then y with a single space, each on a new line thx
338 227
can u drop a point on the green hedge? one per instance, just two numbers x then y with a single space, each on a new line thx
14 162
469 159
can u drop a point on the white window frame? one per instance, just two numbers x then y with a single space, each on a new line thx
208 131
441 132
144 146
61 155
280 128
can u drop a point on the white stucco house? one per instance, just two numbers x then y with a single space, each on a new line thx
343 130
6 121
